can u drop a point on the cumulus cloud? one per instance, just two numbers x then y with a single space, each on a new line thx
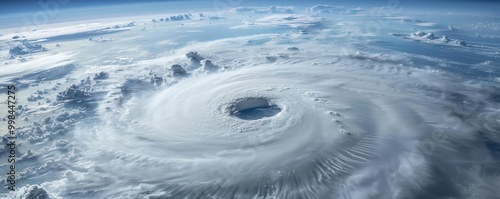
322 8
25 47
271 9
179 17
32 192
76 92
430 38
208 65
178 70
291 20
128 25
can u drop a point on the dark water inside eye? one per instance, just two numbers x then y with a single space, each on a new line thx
256 113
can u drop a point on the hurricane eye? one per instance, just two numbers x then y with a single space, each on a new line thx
254 108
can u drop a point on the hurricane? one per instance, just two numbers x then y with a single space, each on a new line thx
286 130
253 101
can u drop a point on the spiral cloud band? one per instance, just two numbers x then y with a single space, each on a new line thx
284 131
